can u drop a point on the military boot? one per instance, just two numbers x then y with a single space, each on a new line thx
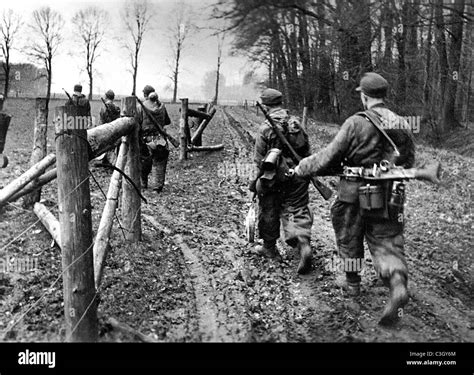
268 249
160 175
398 298
352 285
305 261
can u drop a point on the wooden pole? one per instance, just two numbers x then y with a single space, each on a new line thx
305 118
4 124
39 146
80 305
198 133
101 139
20 182
131 204
101 243
183 154
49 221
36 184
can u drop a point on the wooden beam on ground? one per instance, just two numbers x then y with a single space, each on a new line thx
39 146
101 243
198 133
80 303
131 203
49 221
207 148
183 121
20 182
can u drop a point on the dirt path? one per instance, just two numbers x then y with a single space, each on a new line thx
195 278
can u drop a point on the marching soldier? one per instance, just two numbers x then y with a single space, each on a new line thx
362 210
79 100
154 149
108 113
279 197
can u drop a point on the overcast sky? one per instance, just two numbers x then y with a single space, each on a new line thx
112 68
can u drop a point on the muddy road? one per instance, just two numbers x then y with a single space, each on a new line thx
195 278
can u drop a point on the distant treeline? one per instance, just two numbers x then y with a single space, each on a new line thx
316 52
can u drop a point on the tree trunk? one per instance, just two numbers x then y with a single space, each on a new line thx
90 83
441 48
449 120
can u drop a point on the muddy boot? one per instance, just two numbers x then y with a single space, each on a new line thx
304 266
352 285
398 298
160 170
268 250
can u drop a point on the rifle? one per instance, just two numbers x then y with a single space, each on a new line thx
388 171
69 96
162 131
324 190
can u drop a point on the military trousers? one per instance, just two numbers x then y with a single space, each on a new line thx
287 207
153 160
384 239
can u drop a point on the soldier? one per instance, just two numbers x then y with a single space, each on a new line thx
79 100
361 142
278 197
154 149
108 113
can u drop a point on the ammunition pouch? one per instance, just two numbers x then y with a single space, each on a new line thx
373 199
378 198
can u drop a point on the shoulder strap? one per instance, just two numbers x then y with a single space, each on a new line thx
374 119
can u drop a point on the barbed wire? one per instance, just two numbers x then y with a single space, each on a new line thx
37 221
48 289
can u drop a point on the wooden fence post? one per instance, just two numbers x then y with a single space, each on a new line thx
39 147
183 122
4 124
72 151
131 204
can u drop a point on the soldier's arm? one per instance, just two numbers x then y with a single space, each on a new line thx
329 157
261 147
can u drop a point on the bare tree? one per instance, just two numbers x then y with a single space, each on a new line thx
47 26
136 17
220 44
9 28
179 32
90 26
